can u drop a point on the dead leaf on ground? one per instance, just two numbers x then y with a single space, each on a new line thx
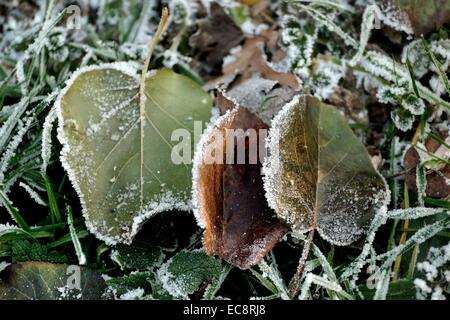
425 16
230 203
437 186
215 37
252 58
251 80
349 101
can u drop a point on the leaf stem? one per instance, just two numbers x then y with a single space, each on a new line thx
301 263
162 23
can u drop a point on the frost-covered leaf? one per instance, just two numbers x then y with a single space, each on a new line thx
426 16
402 118
137 256
100 129
136 282
229 197
183 274
318 175
437 180
24 250
298 39
47 281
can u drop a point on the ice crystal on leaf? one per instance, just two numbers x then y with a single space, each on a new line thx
186 271
298 44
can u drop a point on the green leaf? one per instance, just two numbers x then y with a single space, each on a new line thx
183 274
137 256
24 250
47 281
318 175
99 126
120 286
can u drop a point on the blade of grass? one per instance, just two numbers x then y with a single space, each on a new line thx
14 212
437 202
437 64
66 239
75 239
412 75
55 215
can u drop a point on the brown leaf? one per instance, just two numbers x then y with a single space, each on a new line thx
436 184
252 82
239 226
425 16
215 36
349 101
252 59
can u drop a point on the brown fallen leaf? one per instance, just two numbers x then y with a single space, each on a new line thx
425 16
436 187
230 203
349 101
215 36
251 58
252 82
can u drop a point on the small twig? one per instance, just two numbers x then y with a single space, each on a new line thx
301 263
398 174
162 23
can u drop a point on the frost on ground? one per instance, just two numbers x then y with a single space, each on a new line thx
436 274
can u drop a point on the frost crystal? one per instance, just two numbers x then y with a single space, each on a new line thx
33 194
14 144
298 44
271 271
3 265
47 139
436 285
134 294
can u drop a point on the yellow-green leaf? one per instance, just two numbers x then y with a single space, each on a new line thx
318 175
99 127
